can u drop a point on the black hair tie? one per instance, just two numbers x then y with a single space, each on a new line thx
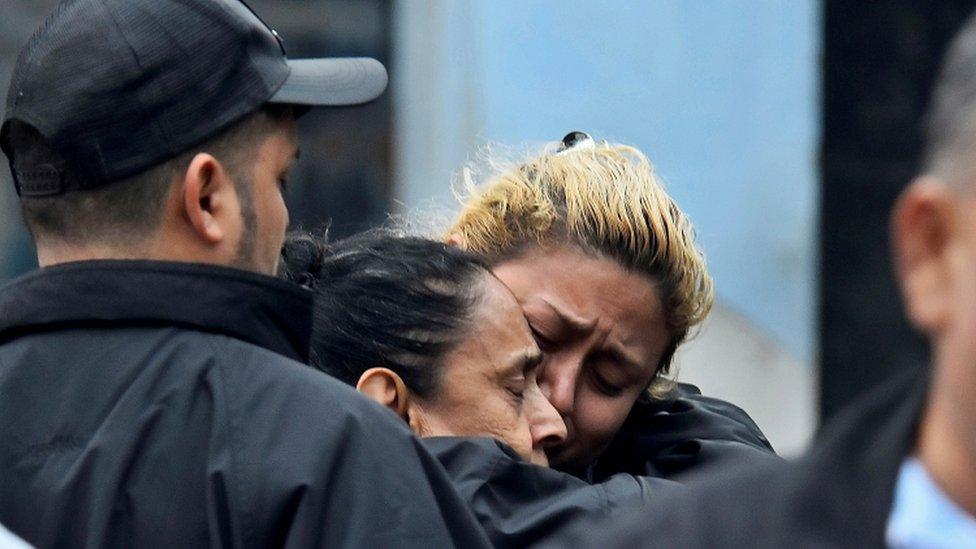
575 140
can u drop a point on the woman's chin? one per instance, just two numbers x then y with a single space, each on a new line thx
565 459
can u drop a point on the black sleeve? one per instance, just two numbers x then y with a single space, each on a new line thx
520 504
680 434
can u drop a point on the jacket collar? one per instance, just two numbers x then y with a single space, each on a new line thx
859 454
265 311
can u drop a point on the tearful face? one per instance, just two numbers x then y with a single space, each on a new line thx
602 333
488 384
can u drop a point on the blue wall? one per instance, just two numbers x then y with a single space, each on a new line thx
721 95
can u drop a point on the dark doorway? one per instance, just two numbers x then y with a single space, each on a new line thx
880 60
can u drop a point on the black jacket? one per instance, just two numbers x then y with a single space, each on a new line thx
839 495
680 434
520 504
162 405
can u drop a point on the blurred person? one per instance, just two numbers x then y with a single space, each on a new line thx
605 268
896 468
427 331
152 391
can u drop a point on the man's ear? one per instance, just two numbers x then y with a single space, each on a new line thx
386 387
922 231
457 241
203 202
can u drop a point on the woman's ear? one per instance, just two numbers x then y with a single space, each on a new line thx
202 183
457 241
386 387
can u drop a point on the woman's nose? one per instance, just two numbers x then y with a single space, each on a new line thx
557 379
546 425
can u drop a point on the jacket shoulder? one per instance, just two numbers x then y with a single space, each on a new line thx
307 453
681 434
261 383
838 495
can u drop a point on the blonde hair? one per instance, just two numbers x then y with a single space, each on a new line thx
606 200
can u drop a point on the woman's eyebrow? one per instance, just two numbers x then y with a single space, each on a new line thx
575 323
622 356
531 361
615 350
523 363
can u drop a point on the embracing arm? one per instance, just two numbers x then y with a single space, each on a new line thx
520 504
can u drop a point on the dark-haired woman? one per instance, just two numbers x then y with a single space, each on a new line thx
427 331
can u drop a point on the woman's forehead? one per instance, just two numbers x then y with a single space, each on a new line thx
575 280
582 296
498 338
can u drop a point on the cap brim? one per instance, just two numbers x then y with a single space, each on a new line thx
332 82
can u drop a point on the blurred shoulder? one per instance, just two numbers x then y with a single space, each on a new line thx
733 507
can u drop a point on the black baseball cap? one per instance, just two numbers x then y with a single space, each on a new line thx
115 87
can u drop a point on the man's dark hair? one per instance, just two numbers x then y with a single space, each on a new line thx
127 211
385 300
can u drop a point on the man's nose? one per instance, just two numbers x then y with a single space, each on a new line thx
546 425
557 379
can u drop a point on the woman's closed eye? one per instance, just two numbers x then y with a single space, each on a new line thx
517 390
603 385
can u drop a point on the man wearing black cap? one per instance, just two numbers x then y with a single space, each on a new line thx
151 392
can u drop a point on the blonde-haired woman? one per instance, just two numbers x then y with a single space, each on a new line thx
605 267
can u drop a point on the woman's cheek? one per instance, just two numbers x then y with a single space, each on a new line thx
519 437
513 429
598 418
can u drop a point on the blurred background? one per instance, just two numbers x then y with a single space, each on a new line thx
785 129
